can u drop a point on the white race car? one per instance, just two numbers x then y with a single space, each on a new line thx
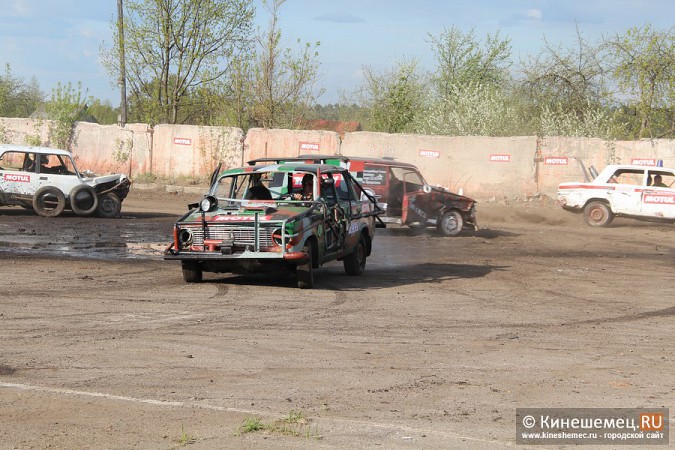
638 192
47 181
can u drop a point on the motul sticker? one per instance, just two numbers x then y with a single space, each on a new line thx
182 141
309 147
658 199
555 161
17 178
500 158
430 153
643 162
239 218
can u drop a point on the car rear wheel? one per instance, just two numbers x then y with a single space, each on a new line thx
192 271
49 201
109 205
355 262
83 200
451 223
305 272
598 214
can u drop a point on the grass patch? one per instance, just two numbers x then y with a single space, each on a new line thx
293 424
184 438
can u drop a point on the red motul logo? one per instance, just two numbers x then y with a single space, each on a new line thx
430 153
643 162
19 178
500 158
309 147
238 218
555 161
659 199
182 141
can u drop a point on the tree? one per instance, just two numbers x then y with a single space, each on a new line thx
64 108
643 64
103 112
566 90
283 89
462 60
18 99
392 97
471 84
174 47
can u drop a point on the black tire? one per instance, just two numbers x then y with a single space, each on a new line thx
83 200
305 272
598 214
49 201
451 223
109 205
355 262
192 271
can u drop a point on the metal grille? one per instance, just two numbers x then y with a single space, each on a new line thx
242 235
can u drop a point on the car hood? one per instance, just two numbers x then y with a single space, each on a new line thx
106 179
247 214
443 195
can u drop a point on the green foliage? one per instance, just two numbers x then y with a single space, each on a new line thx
175 48
283 88
393 97
469 110
66 105
103 112
18 98
643 64
464 60
293 424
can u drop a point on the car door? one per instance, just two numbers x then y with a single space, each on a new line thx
625 193
18 176
659 201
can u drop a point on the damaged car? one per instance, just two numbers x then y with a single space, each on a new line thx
293 217
403 193
47 181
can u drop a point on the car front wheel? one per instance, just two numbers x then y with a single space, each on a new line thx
109 205
355 262
305 272
598 214
192 271
451 223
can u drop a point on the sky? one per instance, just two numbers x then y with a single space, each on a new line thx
60 40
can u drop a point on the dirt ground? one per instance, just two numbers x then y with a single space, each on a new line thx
104 346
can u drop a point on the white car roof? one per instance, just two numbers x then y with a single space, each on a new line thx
27 148
614 167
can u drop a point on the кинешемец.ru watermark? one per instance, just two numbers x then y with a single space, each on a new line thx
597 426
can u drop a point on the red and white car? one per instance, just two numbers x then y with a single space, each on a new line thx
638 192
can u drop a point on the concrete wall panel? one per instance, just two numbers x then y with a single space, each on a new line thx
264 143
194 151
480 166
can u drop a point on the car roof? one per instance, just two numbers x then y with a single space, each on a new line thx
343 158
614 167
294 166
29 149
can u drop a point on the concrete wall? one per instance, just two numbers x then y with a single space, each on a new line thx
264 143
194 151
483 167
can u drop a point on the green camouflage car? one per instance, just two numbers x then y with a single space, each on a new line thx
290 216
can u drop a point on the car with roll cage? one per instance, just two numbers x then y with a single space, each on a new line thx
256 219
403 193
47 181
639 192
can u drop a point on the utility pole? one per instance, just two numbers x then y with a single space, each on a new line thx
123 75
